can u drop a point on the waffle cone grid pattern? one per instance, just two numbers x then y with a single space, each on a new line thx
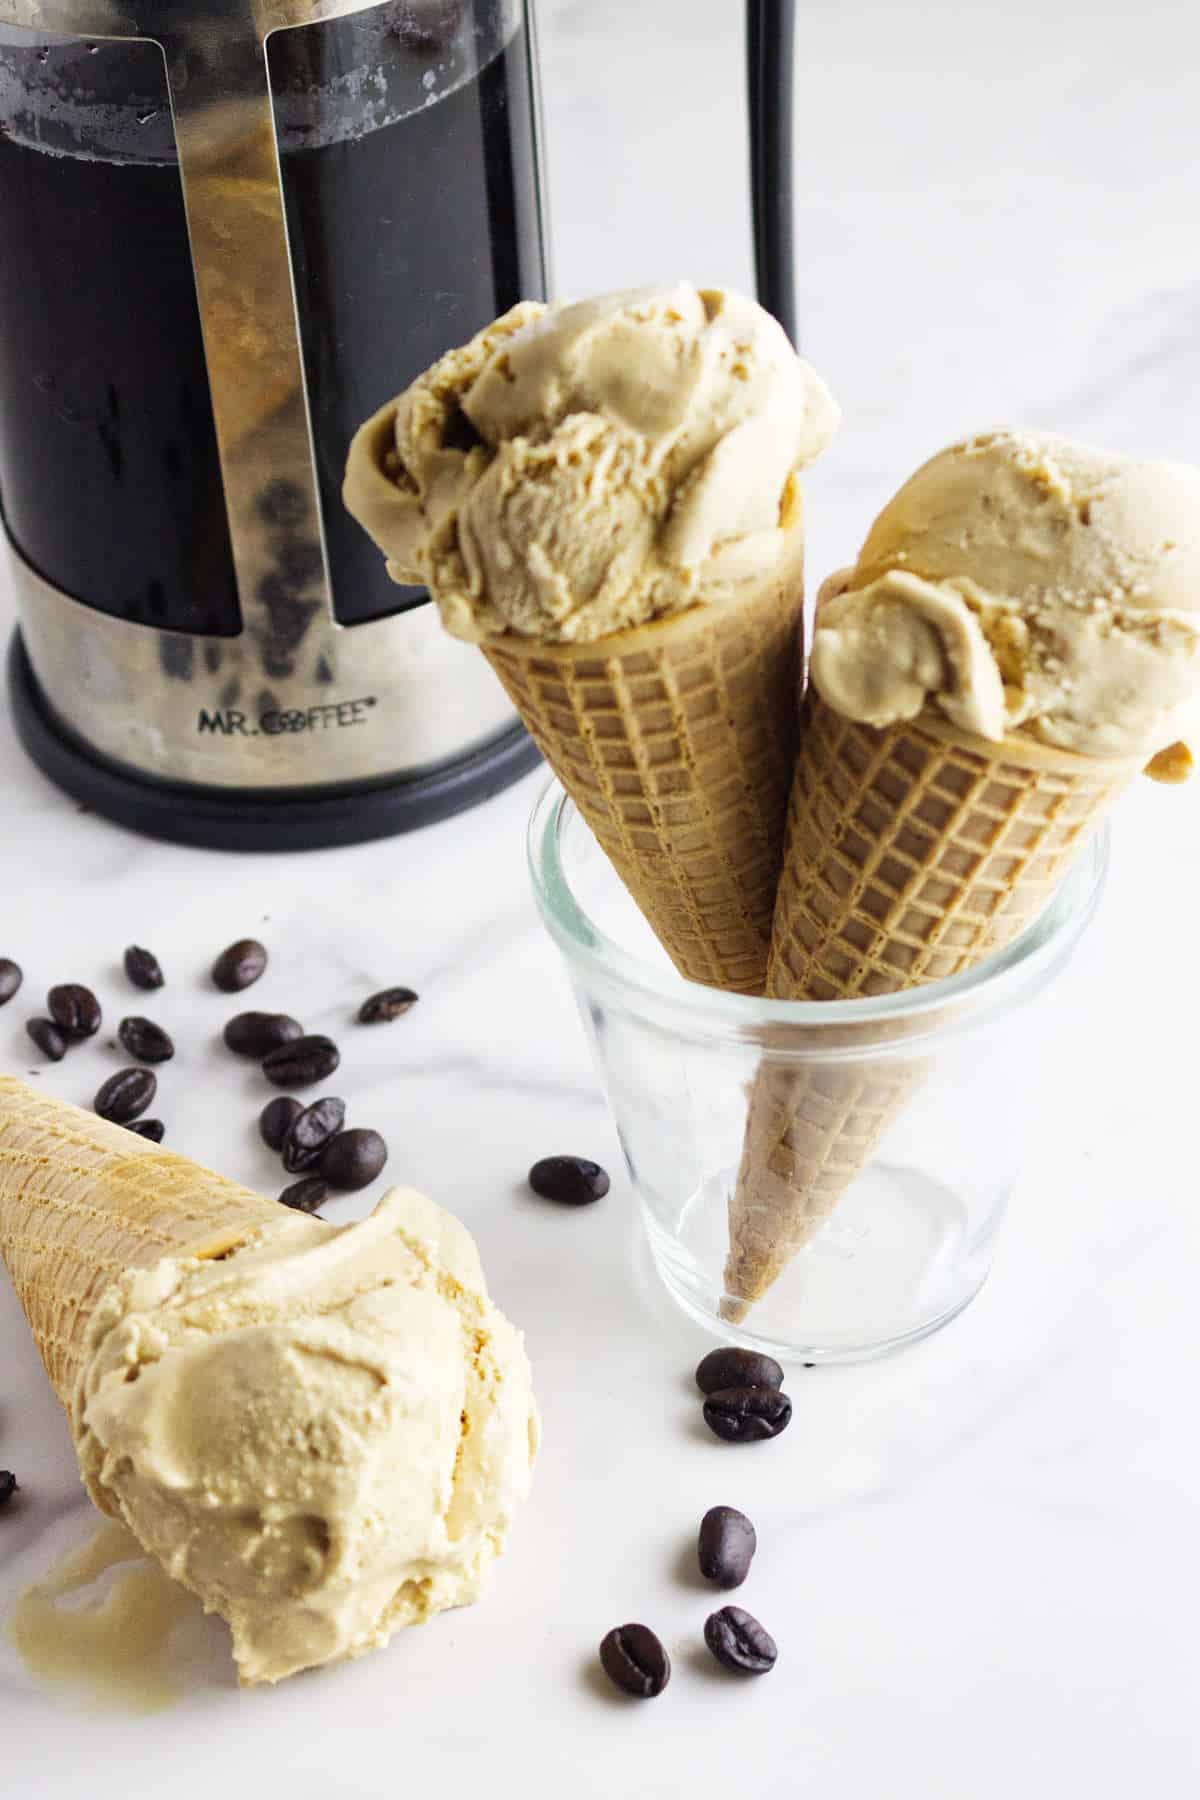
810 1132
677 743
81 1201
911 856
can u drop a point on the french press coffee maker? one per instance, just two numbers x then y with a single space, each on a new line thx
230 230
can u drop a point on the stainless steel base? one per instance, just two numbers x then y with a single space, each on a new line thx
396 698
263 819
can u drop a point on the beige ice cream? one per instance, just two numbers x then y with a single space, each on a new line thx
326 1436
575 472
1024 584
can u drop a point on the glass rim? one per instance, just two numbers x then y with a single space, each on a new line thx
999 982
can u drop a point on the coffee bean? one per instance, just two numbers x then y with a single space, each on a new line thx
153 1129
142 968
10 979
75 1010
305 1196
726 1546
743 1415
256 1034
353 1159
276 1120
738 1641
302 1062
634 1658
9 1486
311 1131
571 1180
728 1367
48 1038
126 1095
239 966
145 1041
381 1008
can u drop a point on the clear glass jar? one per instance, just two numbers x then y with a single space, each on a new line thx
929 1097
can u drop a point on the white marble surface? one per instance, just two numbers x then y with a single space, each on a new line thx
979 1558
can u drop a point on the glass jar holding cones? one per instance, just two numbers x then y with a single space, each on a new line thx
908 1115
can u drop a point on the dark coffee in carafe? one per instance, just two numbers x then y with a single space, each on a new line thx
410 188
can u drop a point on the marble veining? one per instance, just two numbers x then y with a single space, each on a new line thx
979 1557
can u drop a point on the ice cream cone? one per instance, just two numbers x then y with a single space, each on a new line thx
82 1200
676 740
606 498
913 852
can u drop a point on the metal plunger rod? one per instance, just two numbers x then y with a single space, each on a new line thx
770 47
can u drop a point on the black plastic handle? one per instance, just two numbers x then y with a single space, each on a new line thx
770 50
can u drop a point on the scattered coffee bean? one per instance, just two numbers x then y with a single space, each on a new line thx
381 1008
239 966
302 1062
126 1095
738 1641
571 1180
9 1486
154 1129
634 1659
311 1131
728 1367
10 979
276 1120
48 1038
142 968
256 1034
305 1196
744 1415
726 1546
75 1010
145 1041
353 1159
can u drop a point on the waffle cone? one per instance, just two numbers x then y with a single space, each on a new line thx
676 741
809 1132
912 853
81 1201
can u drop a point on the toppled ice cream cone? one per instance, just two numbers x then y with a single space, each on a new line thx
325 1432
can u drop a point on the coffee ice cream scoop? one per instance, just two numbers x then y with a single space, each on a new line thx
576 471
325 1436
1023 583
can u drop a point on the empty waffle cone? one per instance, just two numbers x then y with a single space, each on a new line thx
81 1201
913 853
676 741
